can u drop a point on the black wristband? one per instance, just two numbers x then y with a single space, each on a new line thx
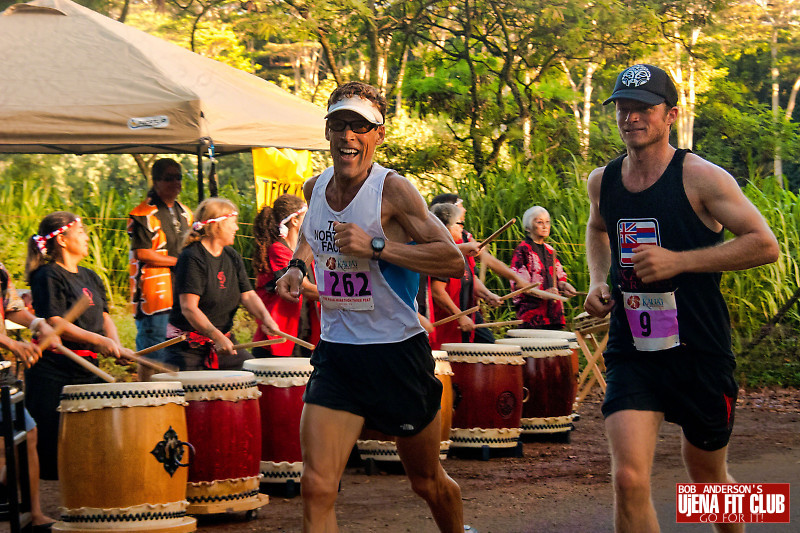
300 264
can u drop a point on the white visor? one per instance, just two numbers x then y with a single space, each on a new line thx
362 106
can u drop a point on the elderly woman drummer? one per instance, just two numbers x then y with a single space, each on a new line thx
210 283
535 261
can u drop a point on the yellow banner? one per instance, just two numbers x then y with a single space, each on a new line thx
280 171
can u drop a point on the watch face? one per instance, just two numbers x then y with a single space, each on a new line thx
378 244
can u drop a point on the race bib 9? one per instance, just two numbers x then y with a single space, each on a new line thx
345 283
653 320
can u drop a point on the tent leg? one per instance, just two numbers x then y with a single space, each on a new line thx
200 193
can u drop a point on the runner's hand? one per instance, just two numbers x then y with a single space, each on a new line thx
352 240
653 263
288 286
598 302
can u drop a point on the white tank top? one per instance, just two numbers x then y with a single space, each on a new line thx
363 301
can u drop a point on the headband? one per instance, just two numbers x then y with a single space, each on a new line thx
41 241
282 229
197 226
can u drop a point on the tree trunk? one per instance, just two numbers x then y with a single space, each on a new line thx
774 74
401 76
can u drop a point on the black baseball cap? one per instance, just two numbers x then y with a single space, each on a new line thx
645 83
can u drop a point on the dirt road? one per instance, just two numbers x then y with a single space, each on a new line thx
554 487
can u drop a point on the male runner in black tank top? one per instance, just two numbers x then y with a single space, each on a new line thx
655 223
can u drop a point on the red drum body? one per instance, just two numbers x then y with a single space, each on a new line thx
282 382
550 382
488 394
224 424
379 446
121 458
570 337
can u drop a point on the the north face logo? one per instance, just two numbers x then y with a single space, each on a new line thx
635 76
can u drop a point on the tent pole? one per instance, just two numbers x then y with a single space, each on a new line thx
200 192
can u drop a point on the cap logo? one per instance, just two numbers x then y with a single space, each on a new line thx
635 76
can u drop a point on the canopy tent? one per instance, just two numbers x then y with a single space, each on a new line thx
74 81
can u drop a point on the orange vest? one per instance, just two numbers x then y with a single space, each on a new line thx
151 286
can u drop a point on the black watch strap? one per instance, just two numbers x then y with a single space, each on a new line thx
298 263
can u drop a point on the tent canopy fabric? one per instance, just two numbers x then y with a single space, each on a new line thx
75 81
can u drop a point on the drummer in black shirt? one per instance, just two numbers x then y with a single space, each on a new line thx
210 283
57 282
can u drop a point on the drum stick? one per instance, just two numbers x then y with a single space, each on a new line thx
498 324
548 295
455 316
530 287
144 361
156 347
477 307
295 340
494 235
257 344
77 309
84 363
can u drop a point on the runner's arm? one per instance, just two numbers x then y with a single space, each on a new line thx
598 252
719 195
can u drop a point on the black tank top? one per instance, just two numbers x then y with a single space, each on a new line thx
662 213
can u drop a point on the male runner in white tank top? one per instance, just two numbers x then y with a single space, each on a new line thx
369 233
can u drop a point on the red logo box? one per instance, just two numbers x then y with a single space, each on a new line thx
728 503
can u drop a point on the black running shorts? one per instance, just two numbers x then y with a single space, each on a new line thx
695 390
392 385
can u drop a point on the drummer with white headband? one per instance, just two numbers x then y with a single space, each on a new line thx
275 231
210 283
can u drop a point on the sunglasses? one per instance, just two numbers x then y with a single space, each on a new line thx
460 224
170 177
356 126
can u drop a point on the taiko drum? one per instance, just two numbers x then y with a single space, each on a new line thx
122 458
224 425
282 382
550 382
488 394
570 337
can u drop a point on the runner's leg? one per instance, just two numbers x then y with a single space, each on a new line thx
632 439
709 467
420 456
327 437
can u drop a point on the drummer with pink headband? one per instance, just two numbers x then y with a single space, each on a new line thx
57 282
210 283
276 230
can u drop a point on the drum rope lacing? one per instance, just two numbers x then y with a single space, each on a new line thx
210 387
227 497
116 395
136 517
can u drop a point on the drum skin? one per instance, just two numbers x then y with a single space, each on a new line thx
105 460
487 395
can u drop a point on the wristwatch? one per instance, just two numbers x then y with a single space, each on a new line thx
378 244
298 264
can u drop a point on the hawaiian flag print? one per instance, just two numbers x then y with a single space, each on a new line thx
633 232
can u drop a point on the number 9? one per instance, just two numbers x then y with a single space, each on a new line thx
644 321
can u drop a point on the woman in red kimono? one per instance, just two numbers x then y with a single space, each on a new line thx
276 230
